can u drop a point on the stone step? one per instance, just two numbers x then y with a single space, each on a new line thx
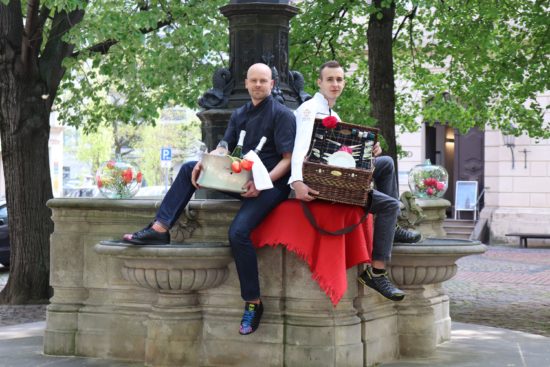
461 228
459 223
459 235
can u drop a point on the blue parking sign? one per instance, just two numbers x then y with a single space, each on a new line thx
165 154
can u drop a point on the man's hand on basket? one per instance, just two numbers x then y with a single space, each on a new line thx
376 150
251 191
303 191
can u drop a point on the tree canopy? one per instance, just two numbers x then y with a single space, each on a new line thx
464 63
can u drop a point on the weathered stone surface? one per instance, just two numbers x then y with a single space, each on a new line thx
434 211
180 305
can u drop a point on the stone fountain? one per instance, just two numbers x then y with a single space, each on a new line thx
180 305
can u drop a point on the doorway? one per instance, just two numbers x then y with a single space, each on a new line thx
462 155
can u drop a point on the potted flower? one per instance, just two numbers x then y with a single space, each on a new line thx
428 181
118 180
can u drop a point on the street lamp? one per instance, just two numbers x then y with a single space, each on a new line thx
510 142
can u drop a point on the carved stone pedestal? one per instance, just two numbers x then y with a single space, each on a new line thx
434 210
420 269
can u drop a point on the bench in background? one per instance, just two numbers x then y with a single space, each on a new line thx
524 236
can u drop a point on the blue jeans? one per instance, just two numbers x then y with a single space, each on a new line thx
385 205
251 213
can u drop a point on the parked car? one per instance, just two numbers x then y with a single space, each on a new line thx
4 238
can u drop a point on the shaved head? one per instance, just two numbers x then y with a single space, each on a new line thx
259 67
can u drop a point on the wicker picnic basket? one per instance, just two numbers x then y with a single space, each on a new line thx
337 184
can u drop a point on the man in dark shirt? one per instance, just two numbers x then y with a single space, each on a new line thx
263 116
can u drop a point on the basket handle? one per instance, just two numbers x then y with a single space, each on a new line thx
345 230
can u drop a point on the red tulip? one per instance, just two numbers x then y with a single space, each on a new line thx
127 175
236 166
246 164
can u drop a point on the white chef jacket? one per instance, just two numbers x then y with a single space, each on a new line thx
305 116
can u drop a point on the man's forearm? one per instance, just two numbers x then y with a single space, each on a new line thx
281 168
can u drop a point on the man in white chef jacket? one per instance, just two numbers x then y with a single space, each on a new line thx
385 202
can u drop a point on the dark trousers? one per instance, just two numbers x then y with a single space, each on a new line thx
251 213
385 205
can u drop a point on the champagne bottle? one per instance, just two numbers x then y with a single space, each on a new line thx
238 151
260 145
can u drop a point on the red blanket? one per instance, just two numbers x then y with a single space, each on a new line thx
328 256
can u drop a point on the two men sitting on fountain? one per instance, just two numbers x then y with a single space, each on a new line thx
262 116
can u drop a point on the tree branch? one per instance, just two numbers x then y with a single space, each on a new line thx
28 47
410 16
103 47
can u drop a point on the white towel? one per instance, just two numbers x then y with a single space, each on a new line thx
262 181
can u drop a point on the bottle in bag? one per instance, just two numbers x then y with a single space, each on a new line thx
238 151
260 145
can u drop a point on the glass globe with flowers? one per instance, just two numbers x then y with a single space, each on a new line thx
428 181
118 180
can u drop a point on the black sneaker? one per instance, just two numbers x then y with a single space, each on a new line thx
403 235
381 284
148 236
251 318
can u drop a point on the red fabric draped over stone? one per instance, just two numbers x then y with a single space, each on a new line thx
328 256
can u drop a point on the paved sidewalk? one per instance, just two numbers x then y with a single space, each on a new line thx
470 346
507 287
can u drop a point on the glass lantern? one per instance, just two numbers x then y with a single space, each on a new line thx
428 181
118 180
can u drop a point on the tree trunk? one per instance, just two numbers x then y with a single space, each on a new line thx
24 130
381 75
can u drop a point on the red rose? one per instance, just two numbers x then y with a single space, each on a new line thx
430 191
139 177
99 182
440 186
330 122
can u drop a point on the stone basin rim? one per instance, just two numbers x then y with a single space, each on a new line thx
103 203
168 252
441 246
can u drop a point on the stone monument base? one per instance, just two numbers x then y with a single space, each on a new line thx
181 306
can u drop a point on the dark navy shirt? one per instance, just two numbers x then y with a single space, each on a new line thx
270 119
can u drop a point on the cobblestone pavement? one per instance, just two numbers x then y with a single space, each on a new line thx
507 287
12 315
